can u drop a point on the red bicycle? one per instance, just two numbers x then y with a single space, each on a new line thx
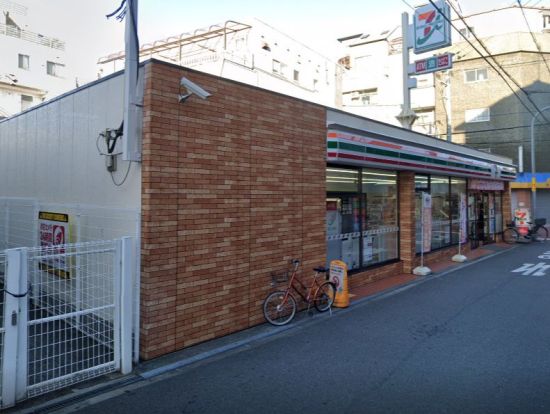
280 306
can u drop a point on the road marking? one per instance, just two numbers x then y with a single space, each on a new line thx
530 269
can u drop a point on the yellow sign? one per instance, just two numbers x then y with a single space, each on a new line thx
339 276
533 184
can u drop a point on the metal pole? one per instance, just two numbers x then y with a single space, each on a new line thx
533 169
405 60
406 116
131 150
448 107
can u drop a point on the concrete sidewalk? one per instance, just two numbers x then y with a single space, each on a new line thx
150 369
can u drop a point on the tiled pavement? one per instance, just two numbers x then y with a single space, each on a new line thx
438 267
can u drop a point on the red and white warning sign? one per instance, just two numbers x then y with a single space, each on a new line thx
54 231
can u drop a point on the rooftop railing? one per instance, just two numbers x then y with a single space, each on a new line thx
31 37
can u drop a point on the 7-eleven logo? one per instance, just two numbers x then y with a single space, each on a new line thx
430 22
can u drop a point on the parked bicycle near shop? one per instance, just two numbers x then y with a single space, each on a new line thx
280 306
538 232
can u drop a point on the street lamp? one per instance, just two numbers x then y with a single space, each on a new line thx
533 179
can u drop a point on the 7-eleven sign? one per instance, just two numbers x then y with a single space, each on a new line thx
431 29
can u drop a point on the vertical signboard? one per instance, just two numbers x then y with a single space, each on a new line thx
431 29
463 219
426 222
54 231
492 214
339 276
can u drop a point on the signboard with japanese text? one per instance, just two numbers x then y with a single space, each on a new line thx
433 64
487 185
432 29
53 232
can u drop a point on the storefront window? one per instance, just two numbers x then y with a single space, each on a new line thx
441 212
343 216
445 194
380 230
361 218
458 190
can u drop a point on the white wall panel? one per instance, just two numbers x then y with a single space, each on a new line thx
49 153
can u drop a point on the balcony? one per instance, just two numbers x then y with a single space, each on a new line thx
31 37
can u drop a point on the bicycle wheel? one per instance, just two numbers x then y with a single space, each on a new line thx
324 297
541 234
510 235
277 311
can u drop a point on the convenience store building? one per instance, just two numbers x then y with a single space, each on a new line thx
230 188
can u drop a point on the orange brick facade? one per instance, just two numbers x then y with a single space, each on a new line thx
232 188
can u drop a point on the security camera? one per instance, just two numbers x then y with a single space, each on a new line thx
192 88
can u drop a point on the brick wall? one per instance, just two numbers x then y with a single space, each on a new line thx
233 187
407 223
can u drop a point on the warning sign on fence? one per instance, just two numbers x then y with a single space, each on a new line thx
54 232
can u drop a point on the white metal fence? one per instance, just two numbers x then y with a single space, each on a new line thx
19 224
67 315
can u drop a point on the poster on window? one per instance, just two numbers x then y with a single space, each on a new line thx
426 222
367 248
54 234
463 219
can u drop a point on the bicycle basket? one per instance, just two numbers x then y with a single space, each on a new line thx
280 276
540 222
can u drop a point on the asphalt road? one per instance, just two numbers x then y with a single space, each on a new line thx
473 341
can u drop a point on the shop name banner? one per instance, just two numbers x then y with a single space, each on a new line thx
487 185
54 231
427 222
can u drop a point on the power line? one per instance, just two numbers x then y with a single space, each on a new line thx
496 62
411 7
533 36
481 54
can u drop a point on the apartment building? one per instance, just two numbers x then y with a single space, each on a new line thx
469 104
372 82
252 52
33 65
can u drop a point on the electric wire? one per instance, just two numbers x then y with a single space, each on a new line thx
125 175
408 4
122 4
535 41
482 55
499 65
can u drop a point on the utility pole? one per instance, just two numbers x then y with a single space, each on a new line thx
131 150
448 106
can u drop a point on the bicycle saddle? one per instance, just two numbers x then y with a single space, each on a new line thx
320 269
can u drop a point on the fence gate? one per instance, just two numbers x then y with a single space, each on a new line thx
66 316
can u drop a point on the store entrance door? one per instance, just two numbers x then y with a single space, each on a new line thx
479 219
